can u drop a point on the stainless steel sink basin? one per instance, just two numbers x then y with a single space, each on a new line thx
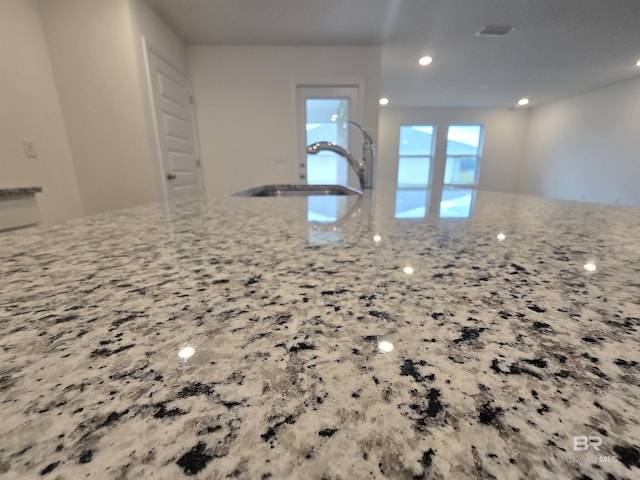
293 190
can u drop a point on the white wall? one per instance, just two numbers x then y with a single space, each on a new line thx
245 104
146 23
31 109
96 73
586 147
504 136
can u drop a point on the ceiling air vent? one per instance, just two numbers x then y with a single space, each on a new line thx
494 31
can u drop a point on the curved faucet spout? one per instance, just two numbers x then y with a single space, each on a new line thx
367 138
357 166
368 154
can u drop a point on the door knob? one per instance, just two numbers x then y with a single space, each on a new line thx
171 176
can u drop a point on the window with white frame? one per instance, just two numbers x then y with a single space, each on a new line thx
461 157
464 149
415 155
415 159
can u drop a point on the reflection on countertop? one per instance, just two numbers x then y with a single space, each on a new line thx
226 340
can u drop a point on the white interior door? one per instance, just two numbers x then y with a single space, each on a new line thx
175 132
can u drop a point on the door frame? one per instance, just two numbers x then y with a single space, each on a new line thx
157 159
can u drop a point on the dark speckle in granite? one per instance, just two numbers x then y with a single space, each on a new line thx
467 334
427 457
195 389
488 413
273 430
86 456
163 412
112 418
105 352
334 292
209 430
625 363
301 346
382 315
122 321
543 409
541 326
629 456
49 468
252 280
514 369
590 358
536 362
431 409
195 459
536 308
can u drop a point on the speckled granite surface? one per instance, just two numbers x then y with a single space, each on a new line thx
19 192
504 350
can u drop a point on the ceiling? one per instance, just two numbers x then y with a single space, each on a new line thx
559 48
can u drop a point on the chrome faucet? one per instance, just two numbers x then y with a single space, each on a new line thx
368 154
362 167
357 166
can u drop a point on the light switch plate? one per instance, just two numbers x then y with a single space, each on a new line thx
281 158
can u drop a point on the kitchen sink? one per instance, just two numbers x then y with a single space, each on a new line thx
297 190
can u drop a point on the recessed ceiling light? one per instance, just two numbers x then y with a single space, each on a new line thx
523 101
408 270
424 61
384 101
638 63
385 346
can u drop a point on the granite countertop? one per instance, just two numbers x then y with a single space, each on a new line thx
239 340
19 191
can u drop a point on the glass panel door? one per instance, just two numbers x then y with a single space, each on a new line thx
323 112
326 120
